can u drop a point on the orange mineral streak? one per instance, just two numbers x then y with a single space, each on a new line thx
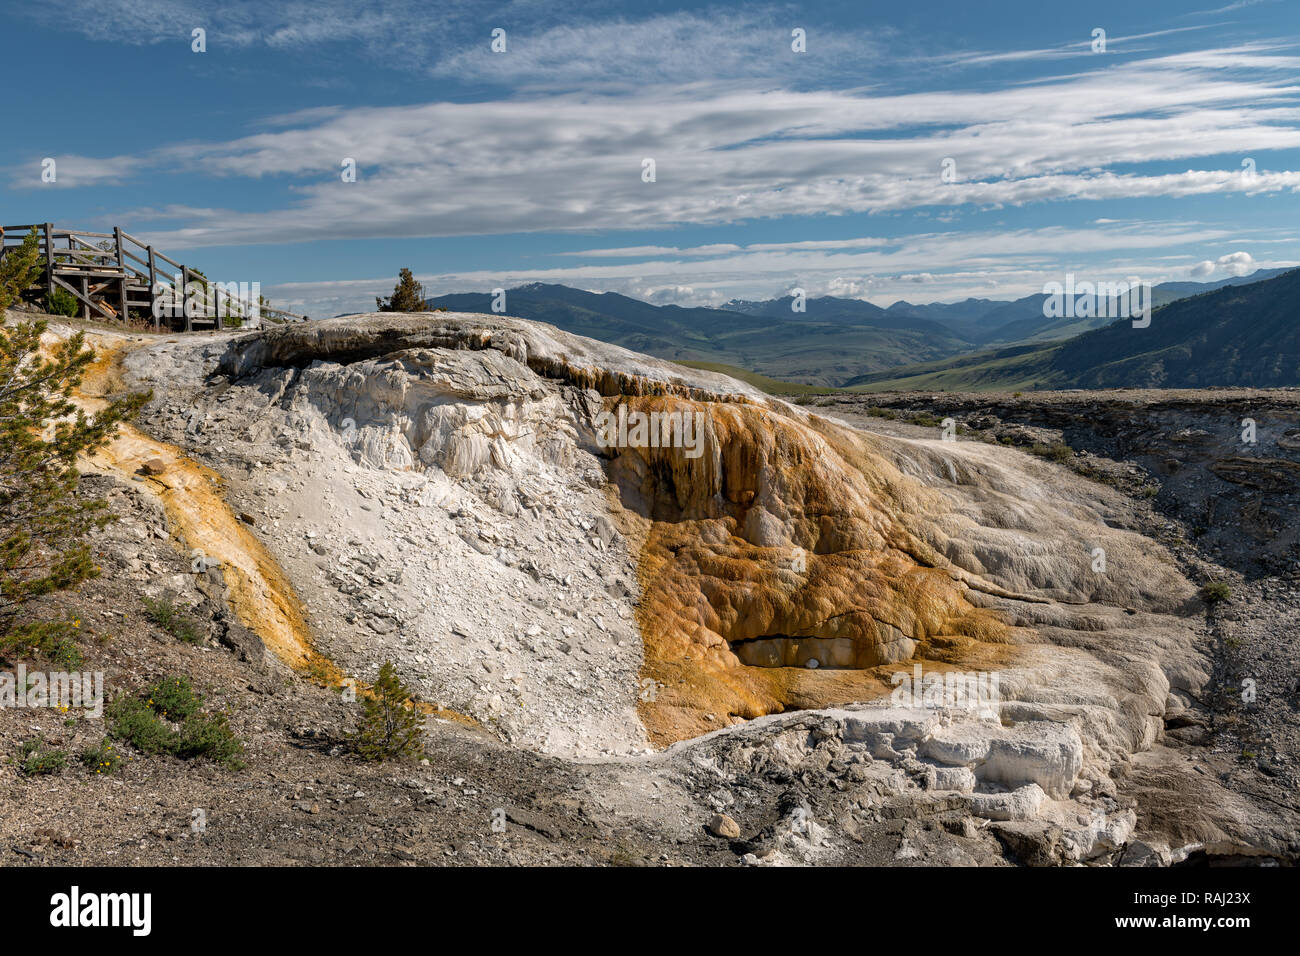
260 593
784 541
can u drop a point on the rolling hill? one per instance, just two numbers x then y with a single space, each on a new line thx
835 342
1236 336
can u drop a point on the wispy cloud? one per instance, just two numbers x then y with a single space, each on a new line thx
571 162
551 136
547 44
1230 8
993 264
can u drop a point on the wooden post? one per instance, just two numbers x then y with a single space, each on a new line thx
49 259
153 287
121 265
189 319
85 295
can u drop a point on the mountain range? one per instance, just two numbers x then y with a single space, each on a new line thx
1243 336
837 342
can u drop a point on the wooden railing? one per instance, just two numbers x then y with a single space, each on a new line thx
109 274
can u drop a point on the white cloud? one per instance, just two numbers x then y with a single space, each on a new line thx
736 135
569 162
1237 263
1233 264
999 265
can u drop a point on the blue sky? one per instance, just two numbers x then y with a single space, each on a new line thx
773 168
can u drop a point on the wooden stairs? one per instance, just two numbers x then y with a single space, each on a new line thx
115 277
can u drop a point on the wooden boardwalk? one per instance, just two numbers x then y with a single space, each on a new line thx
115 277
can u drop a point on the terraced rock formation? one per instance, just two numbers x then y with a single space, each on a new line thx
441 491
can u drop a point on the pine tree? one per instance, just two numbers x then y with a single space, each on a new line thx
390 724
408 296
19 268
43 523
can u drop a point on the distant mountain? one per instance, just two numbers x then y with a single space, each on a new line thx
1023 321
981 321
1239 335
964 318
833 341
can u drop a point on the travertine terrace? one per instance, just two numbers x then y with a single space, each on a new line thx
434 490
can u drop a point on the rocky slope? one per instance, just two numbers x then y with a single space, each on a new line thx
719 631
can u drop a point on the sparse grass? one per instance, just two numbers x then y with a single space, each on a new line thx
36 760
1216 592
622 856
1056 451
173 620
771 386
1016 367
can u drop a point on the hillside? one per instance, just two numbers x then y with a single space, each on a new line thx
835 341
1022 321
1245 336
1235 336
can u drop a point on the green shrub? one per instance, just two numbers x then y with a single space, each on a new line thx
173 620
35 759
134 721
167 718
174 698
1215 592
210 736
102 759
390 724
62 302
